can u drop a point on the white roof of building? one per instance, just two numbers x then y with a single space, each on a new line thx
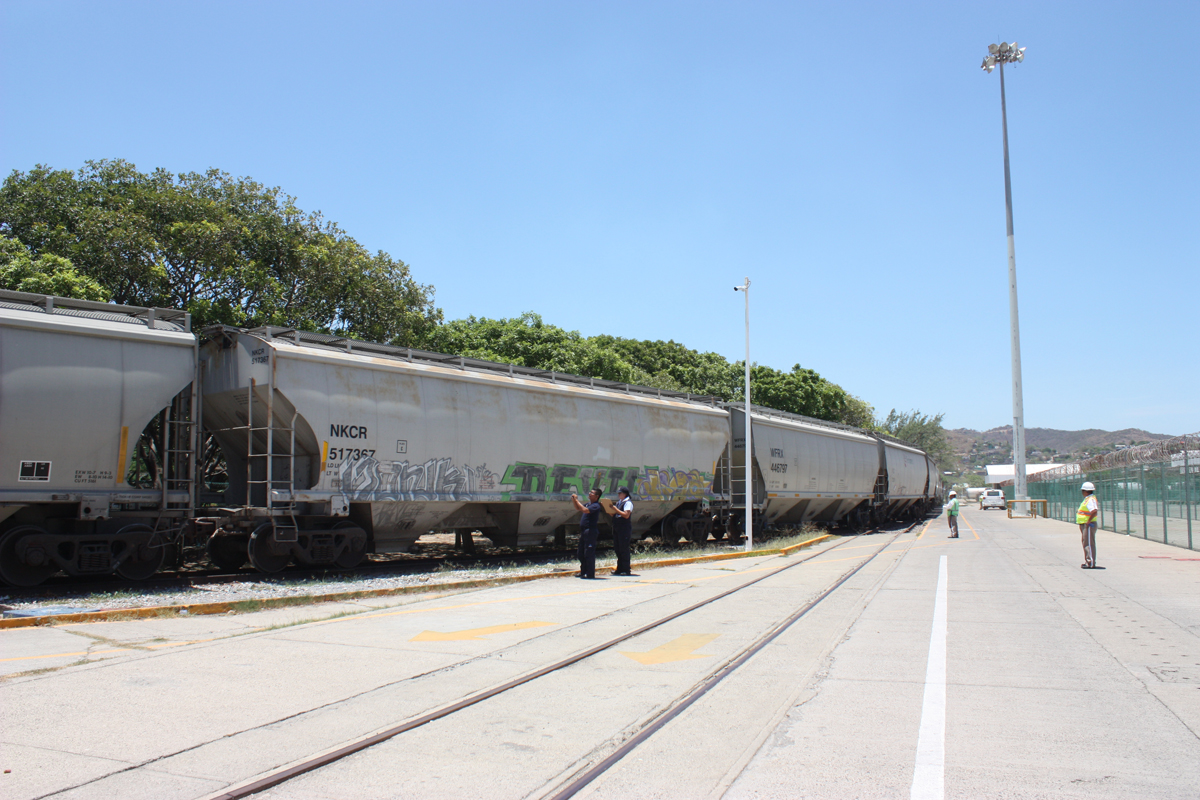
999 473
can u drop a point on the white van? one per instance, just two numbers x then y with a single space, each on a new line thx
992 498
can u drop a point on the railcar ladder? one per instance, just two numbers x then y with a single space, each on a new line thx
181 435
725 480
179 464
283 514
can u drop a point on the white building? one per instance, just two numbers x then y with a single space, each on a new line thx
999 473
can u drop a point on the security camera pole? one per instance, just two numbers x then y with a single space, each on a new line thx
749 489
999 55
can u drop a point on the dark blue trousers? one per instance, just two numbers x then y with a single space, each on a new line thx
587 552
622 532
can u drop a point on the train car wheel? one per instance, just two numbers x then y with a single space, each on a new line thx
669 534
227 552
24 566
352 556
262 550
735 529
147 552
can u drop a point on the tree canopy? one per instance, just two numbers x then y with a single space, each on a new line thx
228 250
232 251
20 271
921 430
529 341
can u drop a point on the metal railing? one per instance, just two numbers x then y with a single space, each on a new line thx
154 318
412 355
1151 491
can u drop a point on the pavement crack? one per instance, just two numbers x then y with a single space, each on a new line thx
98 640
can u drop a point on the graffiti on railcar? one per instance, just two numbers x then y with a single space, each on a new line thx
529 481
674 484
434 479
535 481
369 479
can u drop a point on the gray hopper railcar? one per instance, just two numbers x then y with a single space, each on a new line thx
334 448
80 383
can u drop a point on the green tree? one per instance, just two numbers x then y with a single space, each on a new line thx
923 431
48 274
229 250
670 365
858 413
528 341
801 391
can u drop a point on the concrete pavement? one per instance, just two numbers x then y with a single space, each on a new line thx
1060 682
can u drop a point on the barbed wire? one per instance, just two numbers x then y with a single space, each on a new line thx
1153 453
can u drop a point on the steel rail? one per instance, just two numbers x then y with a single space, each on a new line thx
68 587
65 587
308 765
678 708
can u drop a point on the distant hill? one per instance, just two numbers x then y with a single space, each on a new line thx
1043 445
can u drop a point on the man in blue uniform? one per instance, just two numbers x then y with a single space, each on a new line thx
622 530
588 531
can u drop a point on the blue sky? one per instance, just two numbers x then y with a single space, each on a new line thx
618 167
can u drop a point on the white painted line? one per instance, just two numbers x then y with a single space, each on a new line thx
929 777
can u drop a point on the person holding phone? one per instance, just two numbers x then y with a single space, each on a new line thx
589 530
622 530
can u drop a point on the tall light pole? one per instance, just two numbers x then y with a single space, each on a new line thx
748 493
999 55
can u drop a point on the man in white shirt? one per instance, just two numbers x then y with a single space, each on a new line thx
952 514
622 525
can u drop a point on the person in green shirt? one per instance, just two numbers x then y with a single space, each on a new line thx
952 515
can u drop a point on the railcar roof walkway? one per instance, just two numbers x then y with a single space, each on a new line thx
985 666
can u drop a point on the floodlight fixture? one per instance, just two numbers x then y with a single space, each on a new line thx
1003 53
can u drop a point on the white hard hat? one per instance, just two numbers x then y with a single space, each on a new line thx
1087 487
954 494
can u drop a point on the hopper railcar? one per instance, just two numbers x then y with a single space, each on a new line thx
336 448
79 384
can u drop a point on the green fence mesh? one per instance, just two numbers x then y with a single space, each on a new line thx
1152 491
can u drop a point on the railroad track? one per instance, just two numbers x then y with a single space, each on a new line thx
193 574
586 774
64 586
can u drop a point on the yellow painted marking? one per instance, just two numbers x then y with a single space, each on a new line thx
324 454
679 650
158 646
121 453
463 605
475 633
922 533
971 527
56 655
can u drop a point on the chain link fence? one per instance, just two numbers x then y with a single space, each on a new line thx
1151 491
